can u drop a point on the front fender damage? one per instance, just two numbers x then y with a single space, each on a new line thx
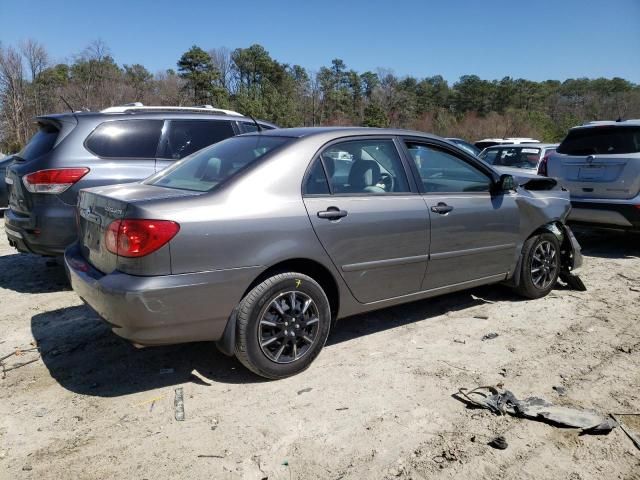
570 255
547 211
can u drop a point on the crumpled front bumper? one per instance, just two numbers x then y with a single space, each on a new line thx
576 250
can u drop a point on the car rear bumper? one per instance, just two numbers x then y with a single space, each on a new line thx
160 310
606 213
47 230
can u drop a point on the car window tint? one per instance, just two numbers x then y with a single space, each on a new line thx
42 142
489 156
316 183
211 166
601 140
515 157
187 136
441 171
126 139
365 166
251 127
472 149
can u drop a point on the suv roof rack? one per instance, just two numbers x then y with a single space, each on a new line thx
139 107
611 122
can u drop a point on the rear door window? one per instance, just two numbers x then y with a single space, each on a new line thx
601 140
42 142
370 167
316 183
187 136
126 139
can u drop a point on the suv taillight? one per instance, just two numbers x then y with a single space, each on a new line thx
54 181
137 238
542 166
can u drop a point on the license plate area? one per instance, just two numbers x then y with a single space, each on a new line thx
591 173
92 237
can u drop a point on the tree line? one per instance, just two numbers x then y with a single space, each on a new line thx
250 81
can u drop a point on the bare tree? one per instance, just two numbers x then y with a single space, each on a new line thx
98 81
37 60
221 58
36 56
13 98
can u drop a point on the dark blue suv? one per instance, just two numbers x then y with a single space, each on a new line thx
78 150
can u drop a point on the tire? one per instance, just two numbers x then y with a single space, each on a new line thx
267 332
538 270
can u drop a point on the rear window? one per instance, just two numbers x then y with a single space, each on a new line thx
188 136
206 169
42 142
515 157
601 140
126 139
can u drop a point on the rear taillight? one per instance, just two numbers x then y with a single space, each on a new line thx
55 181
137 238
542 166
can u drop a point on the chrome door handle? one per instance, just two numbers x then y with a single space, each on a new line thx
332 213
441 208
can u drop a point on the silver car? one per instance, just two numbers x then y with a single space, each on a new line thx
522 161
600 165
260 243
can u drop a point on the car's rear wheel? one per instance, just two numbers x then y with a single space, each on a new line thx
283 323
540 265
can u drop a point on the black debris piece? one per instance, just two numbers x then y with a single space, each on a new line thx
503 402
499 443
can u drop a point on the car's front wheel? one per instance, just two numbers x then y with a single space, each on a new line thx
283 323
540 265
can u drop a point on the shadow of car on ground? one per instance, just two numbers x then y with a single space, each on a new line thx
27 273
85 357
608 243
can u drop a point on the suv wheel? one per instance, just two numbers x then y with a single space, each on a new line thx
540 265
283 323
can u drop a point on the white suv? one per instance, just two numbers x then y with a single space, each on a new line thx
490 142
599 163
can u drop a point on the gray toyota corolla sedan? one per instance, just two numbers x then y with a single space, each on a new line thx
261 241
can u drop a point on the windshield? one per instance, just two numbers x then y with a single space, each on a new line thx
514 157
207 168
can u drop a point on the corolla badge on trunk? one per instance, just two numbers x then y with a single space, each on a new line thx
114 211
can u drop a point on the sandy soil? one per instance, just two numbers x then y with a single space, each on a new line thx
377 403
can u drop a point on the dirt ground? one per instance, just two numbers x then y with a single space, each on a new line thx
377 403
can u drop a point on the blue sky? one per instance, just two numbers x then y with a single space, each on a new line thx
536 40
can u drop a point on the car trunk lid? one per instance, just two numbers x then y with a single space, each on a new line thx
99 207
591 176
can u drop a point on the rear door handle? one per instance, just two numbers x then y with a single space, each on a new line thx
441 208
332 213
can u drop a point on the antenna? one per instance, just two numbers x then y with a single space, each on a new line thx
70 107
67 104
255 122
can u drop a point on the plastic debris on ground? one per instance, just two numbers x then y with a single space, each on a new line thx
503 402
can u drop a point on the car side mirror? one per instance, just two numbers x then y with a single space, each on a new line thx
506 183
